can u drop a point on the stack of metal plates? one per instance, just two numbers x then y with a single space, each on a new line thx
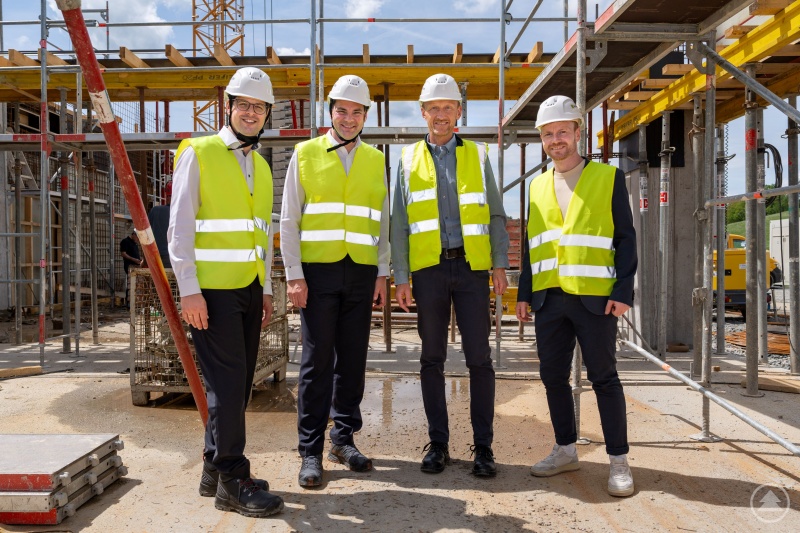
45 478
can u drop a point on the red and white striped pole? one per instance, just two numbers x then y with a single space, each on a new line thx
82 44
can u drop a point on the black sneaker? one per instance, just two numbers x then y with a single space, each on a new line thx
437 457
347 454
210 478
246 498
310 471
484 461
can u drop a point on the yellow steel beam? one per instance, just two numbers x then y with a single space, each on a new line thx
783 85
780 30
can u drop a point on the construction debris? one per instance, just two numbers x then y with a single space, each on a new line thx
777 343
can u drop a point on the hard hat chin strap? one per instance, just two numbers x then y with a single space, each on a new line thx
346 142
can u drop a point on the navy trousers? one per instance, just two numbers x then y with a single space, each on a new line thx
434 288
227 353
561 320
336 323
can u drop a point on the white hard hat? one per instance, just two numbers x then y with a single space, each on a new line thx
556 109
251 82
351 88
440 87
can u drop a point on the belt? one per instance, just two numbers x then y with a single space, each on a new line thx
453 253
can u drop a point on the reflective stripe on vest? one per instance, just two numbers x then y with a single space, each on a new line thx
342 214
420 187
576 253
230 251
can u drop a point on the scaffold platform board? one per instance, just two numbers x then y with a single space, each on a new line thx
45 478
629 37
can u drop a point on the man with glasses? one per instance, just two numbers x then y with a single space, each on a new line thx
334 242
448 230
221 255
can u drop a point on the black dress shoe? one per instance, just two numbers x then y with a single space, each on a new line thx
310 471
484 461
246 498
437 457
347 454
210 478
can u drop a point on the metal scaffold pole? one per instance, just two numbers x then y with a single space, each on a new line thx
645 303
97 90
580 86
498 299
44 187
312 90
698 161
761 223
722 242
78 212
751 246
663 234
794 247
18 240
63 161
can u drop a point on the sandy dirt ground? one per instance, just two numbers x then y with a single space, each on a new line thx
681 484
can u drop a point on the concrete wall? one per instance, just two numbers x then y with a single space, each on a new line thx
680 248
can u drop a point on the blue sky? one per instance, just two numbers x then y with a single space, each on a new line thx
347 39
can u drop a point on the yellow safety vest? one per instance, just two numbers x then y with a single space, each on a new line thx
576 253
232 226
422 205
342 212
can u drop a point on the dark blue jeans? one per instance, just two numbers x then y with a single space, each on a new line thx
434 288
227 353
562 319
336 323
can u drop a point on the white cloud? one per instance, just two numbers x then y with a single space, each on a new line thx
475 6
362 9
292 52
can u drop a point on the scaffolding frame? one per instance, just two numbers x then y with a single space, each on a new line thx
700 39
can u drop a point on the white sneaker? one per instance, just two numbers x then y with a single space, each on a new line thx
561 459
620 480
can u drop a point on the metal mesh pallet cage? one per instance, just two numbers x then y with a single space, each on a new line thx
155 364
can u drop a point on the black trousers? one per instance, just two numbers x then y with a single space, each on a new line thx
336 324
434 288
561 320
227 353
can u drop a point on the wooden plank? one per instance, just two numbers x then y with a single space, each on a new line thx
458 54
176 57
640 95
365 53
496 57
222 56
737 32
272 56
792 50
20 371
536 53
410 53
633 84
776 384
131 59
20 59
53 59
657 83
677 69
768 7
4 62
623 106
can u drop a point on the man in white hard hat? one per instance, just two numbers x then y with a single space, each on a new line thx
448 231
334 242
577 276
221 255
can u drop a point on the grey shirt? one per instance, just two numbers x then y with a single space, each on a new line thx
444 159
186 204
294 199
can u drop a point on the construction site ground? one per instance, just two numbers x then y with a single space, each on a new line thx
681 484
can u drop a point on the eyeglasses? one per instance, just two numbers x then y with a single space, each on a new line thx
244 106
